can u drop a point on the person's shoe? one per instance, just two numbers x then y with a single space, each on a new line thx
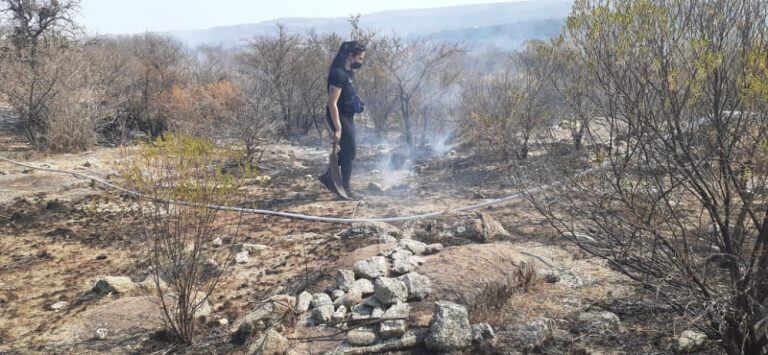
354 195
326 180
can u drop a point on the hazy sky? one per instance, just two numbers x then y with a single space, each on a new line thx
130 16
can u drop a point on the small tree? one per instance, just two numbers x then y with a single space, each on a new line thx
39 31
678 204
185 270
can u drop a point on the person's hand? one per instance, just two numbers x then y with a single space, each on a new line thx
337 137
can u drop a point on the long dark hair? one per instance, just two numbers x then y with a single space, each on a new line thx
347 48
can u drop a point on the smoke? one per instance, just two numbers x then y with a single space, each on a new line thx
396 163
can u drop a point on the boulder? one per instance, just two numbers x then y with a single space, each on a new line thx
482 332
397 326
364 285
345 279
321 299
59 306
252 249
305 298
340 314
690 341
390 291
361 311
242 257
217 242
597 322
101 333
418 285
361 336
323 314
120 285
449 328
270 343
353 297
535 334
402 266
400 253
414 246
409 340
374 230
371 268
470 227
433 248
267 311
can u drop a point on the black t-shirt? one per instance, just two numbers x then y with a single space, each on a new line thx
343 78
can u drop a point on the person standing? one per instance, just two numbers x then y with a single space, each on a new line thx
343 103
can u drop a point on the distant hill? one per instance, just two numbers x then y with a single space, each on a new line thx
506 25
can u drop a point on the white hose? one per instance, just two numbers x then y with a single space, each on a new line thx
493 202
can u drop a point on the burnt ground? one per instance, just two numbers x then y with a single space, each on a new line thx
58 233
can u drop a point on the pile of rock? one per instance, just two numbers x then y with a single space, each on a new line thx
373 300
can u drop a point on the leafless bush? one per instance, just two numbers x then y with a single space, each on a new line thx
508 111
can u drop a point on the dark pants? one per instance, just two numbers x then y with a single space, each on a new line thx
347 145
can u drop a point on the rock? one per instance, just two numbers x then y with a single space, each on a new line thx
345 279
402 266
433 248
597 322
91 163
283 303
364 285
353 297
392 328
374 187
418 285
252 249
691 341
361 336
387 239
551 277
337 294
482 332
373 302
417 260
321 299
371 230
414 246
59 306
323 314
204 309
101 333
305 298
340 314
390 291
397 326
400 253
377 313
271 343
268 311
121 285
476 227
217 242
102 256
361 311
242 257
449 328
409 340
223 322
372 268
533 335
